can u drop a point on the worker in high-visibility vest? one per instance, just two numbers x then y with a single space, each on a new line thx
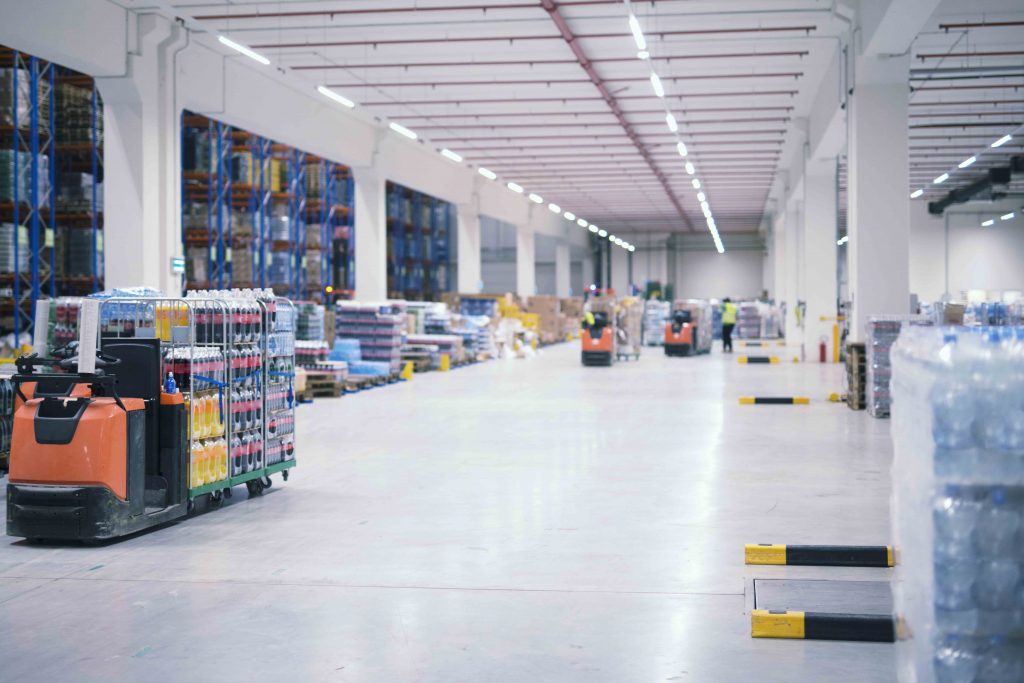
728 322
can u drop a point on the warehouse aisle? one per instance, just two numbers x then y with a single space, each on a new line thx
511 521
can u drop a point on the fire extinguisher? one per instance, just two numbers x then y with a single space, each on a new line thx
823 350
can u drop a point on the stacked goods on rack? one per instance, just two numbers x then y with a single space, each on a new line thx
748 321
716 319
440 344
572 316
882 332
856 375
958 511
6 419
550 321
628 327
378 327
656 314
471 305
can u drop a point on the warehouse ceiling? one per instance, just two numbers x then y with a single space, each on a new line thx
551 95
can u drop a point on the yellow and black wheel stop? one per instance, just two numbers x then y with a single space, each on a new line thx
774 400
819 555
873 628
751 360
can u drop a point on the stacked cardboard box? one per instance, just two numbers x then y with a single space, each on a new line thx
856 374
572 315
550 321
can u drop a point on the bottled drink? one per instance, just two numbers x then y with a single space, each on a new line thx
955 662
996 586
955 517
997 525
195 468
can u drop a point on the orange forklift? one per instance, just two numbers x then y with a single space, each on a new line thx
680 334
598 339
96 455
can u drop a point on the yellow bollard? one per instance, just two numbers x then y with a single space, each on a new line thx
446 362
406 371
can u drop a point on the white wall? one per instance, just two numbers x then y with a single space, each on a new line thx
989 258
708 274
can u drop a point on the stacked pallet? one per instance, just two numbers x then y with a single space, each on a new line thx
378 327
856 377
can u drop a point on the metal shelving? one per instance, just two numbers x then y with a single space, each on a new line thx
419 244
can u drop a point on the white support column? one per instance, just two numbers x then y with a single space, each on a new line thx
526 268
371 235
562 269
879 209
819 262
142 223
792 272
469 268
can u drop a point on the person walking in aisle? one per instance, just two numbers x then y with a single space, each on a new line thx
728 322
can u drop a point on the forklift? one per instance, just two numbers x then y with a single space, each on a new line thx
680 334
598 339
96 455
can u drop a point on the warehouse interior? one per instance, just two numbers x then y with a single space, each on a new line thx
605 340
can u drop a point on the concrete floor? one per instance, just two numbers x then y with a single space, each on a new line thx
510 521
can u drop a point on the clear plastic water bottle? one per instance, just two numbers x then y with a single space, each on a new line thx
1002 662
996 585
997 523
954 584
955 517
955 662
953 411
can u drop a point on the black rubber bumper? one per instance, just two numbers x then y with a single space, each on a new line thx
65 512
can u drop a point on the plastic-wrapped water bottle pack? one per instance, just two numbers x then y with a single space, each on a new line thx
958 503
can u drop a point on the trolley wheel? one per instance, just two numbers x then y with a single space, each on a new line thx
255 487
191 506
267 483
216 499
227 492
284 473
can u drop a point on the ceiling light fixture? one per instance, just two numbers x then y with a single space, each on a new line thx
659 89
643 55
842 240
681 148
1006 216
701 197
569 216
611 238
916 193
602 233
536 198
988 223
696 184
941 179
690 169
967 162
251 54
340 99
632 248
448 154
582 223
998 143
593 228
402 130
673 125
555 208
487 173
515 187
638 34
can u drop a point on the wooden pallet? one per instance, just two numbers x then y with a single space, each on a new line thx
324 385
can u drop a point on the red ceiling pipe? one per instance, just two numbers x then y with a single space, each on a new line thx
393 10
688 96
553 81
980 24
944 55
535 62
965 102
531 38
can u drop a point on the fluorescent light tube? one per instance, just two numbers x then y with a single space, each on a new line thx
998 143
611 238
941 179
659 90
555 208
842 240
593 228
967 162
696 184
569 216
690 169
251 54
582 223
643 55
1006 216
602 233
701 197
340 99
916 193
536 198
448 154
670 120
681 148
515 187
402 130
638 34
988 223
632 248
487 173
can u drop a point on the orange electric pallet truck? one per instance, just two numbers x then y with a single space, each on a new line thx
680 335
598 341
96 455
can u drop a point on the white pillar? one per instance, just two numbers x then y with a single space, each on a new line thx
778 254
469 270
793 268
879 204
819 261
371 235
526 268
142 165
562 269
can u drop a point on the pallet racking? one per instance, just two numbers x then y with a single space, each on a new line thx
419 244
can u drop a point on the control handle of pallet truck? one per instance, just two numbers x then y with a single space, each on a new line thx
26 364
103 360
